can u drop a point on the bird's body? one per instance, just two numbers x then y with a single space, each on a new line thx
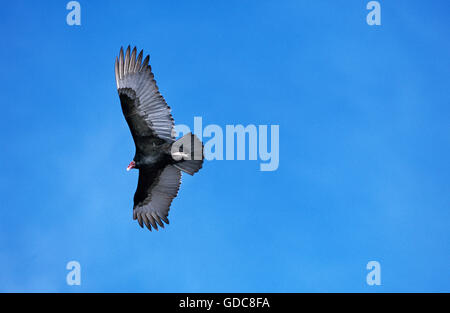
159 157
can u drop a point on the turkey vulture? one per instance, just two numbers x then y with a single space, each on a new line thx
159 157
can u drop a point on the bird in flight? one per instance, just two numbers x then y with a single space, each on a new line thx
159 157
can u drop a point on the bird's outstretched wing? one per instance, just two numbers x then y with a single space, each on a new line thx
154 194
144 108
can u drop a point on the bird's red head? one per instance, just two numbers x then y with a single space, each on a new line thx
131 165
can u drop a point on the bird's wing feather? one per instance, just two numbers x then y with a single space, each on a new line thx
154 194
144 108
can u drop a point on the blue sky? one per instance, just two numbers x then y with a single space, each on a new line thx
364 121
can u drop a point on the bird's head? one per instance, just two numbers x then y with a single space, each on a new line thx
131 165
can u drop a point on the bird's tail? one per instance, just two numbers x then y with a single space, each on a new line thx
188 153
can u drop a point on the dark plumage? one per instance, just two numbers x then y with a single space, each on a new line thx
159 157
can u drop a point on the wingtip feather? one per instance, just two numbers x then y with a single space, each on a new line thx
132 61
138 61
127 61
121 63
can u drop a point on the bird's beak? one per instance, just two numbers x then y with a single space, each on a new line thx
131 165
